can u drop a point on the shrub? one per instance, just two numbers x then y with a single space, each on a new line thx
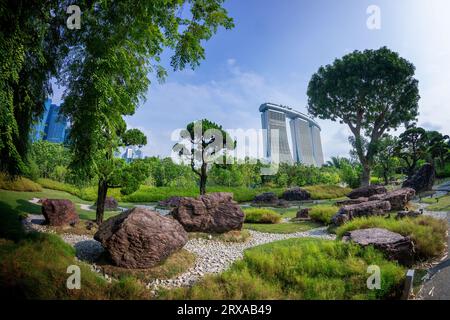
307 269
18 184
427 233
261 215
323 213
327 191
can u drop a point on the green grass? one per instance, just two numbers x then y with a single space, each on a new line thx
322 192
236 236
443 203
427 233
309 269
261 215
323 213
18 184
34 265
283 228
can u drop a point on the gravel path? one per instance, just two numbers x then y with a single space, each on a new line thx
213 256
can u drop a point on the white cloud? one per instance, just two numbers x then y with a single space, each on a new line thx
232 102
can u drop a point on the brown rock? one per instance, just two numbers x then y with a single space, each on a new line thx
408 214
366 192
59 212
351 201
140 238
364 209
213 212
303 214
266 198
398 198
296 194
423 180
171 202
393 245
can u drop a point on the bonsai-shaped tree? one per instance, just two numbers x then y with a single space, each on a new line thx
208 144
412 147
372 92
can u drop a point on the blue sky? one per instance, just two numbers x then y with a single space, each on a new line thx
274 49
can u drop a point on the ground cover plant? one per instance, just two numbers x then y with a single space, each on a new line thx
323 213
261 215
428 234
299 269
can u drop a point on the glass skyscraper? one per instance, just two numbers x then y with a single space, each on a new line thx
53 126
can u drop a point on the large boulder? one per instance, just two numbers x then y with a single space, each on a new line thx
303 214
347 202
140 238
111 204
393 245
398 198
366 192
59 212
364 209
211 213
296 194
423 180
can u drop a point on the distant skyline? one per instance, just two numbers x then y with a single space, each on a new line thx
272 53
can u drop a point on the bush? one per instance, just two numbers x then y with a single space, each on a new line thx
18 184
327 191
427 233
323 213
261 215
306 269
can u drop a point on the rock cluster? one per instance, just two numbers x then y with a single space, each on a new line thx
210 213
366 192
397 198
59 212
423 180
364 209
296 194
269 199
171 202
393 245
140 238
351 201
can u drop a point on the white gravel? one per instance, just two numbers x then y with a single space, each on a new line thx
213 256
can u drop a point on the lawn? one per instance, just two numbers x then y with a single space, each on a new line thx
304 269
286 227
20 201
438 204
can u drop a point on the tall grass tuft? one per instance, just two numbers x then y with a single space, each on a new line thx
428 234
261 215
323 213
18 184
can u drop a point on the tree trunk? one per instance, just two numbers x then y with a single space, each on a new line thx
101 198
365 177
203 178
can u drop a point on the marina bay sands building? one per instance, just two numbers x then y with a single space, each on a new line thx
305 136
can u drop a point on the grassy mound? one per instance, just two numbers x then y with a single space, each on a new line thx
261 215
230 236
438 204
299 269
325 191
427 233
323 213
18 184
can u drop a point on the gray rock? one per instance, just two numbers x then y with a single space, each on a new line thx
423 180
364 209
393 245
366 192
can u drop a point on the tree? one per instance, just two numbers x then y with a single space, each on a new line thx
438 147
106 72
48 156
208 143
28 59
371 92
412 147
386 162
114 172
